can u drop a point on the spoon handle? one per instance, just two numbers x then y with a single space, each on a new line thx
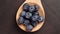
36 1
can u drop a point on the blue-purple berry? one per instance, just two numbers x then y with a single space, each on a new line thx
29 27
36 7
28 15
23 13
36 13
34 23
40 19
34 17
26 6
31 8
26 22
21 20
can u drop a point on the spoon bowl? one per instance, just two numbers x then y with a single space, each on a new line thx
41 13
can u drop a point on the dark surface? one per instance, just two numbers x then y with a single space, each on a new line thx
8 9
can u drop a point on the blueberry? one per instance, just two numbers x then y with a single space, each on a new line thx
29 27
32 8
23 13
36 7
26 6
40 19
26 22
34 23
34 17
28 15
21 20
36 13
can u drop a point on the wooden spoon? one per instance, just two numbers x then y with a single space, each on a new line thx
41 12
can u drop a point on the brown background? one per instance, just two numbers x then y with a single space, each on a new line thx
8 9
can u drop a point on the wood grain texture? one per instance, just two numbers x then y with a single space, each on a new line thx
8 9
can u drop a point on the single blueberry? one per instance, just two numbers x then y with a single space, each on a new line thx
21 20
23 13
26 22
28 15
26 6
36 7
40 19
34 23
29 27
32 8
36 13
34 17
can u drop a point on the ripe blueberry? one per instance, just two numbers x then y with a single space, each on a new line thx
21 20
34 23
36 13
34 17
28 15
26 6
40 19
29 27
36 7
26 22
32 8
23 13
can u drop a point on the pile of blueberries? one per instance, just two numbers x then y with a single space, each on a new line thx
30 16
